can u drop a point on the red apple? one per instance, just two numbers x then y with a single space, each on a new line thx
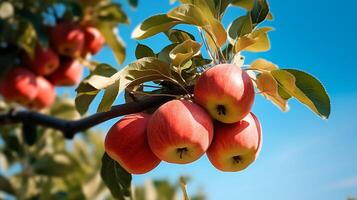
19 85
94 40
180 131
69 73
226 92
46 95
126 143
236 146
67 38
44 62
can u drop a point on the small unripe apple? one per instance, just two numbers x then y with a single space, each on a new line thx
67 38
93 40
19 85
69 73
44 62
226 92
180 131
46 95
236 146
126 143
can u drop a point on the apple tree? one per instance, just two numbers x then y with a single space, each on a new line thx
192 97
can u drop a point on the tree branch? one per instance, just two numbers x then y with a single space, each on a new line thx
69 127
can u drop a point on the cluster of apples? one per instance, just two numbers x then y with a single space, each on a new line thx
217 122
33 84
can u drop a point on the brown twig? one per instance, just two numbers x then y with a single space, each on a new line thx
70 128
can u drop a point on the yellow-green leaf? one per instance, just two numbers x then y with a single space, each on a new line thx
189 14
263 65
257 41
183 52
246 4
178 36
153 26
268 87
112 38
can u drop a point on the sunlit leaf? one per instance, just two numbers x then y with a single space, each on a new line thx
257 41
268 87
305 88
112 38
263 65
153 25
189 14
183 52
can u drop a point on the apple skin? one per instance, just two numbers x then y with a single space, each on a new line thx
44 62
46 95
67 38
180 132
226 92
236 146
126 143
68 74
93 42
19 85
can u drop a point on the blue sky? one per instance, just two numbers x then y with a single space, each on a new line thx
303 157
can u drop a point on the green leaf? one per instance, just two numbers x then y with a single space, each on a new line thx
246 4
178 36
142 51
153 25
112 38
116 178
116 83
163 55
259 11
54 165
85 95
184 52
6 186
221 6
305 88
90 86
239 27
110 94
111 13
